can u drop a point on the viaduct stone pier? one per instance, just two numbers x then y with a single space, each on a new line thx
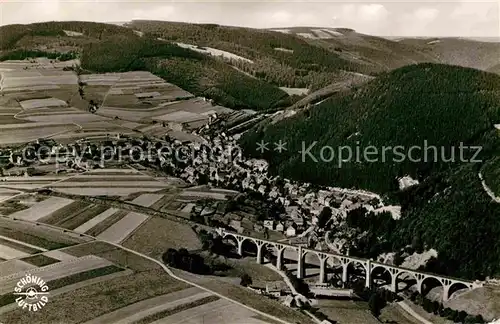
370 267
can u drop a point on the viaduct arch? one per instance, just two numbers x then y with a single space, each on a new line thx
450 285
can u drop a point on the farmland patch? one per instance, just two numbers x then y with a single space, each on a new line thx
178 309
123 228
39 103
42 209
12 266
10 207
58 255
56 271
70 208
20 134
40 236
89 302
105 184
7 252
106 223
243 295
114 254
147 200
108 212
9 298
104 191
148 306
159 234
18 246
40 260
82 217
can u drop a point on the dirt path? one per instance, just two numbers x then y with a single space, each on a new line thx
410 311
488 189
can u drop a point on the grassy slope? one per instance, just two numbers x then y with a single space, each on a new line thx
444 105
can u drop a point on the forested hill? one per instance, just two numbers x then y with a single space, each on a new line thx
248 75
240 67
440 104
443 105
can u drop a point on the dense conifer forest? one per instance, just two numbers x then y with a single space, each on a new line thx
446 106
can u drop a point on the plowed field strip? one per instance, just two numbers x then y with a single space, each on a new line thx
178 309
19 247
164 201
61 282
65 212
107 223
82 217
32 239
40 260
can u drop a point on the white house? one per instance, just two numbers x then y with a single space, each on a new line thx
280 227
291 231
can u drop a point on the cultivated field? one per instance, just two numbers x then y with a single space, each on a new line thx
42 209
7 252
41 237
247 297
95 220
27 132
181 112
13 266
347 311
91 301
147 200
123 228
55 271
157 235
28 183
83 296
217 311
39 99
111 182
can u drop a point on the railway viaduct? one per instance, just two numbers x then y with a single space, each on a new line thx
369 266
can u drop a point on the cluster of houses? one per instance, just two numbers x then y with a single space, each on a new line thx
217 161
82 155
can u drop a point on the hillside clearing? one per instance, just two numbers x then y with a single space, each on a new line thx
214 52
295 91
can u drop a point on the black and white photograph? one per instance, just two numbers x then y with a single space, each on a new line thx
249 162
